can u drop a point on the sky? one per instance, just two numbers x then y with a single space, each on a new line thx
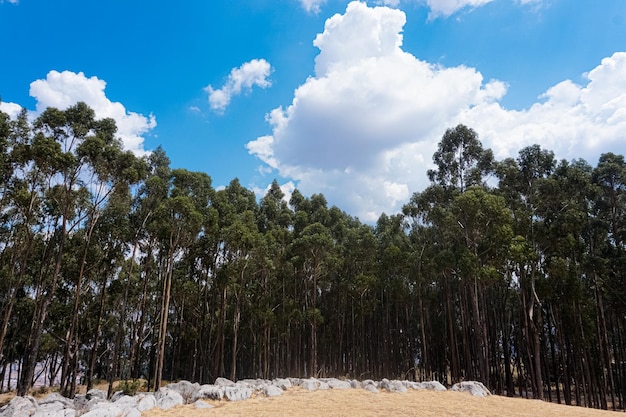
347 99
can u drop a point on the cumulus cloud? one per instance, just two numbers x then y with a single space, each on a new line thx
363 129
64 89
241 79
11 109
445 8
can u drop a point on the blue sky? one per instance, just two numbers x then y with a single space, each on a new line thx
344 98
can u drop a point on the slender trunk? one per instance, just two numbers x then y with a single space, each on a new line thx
96 342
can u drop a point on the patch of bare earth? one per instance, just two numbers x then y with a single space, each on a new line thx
356 402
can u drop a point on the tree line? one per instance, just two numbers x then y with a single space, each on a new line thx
113 267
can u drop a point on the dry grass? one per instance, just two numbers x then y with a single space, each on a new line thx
297 402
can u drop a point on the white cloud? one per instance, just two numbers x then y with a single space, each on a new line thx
243 78
445 8
64 89
363 129
312 6
11 109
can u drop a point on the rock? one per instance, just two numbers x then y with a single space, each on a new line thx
310 384
56 398
211 392
335 383
117 395
475 388
392 386
19 407
96 393
237 393
146 402
432 385
370 388
273 391
167 398
186 389
131 412
224 382
283 383
56 409
202 404
370 382
355 384
110 411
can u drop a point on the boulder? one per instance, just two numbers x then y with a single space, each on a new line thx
55 409
273 391
392 386
167 398
282 383
211 392
310 384
146 402
56 398
131 412
475 388
117 395
432 385
370 388
186 389
335 383
110 411
96 393
237 393
355 384
224 382
19 407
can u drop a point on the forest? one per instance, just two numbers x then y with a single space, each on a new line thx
116 267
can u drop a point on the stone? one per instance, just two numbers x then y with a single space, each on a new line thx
371 388
224 382
19 407
202 404
310 384
355 384
432 385
131 412
117 395
55 409
338 384
283 383
273 391
167 398
392 386
56 398
186 389
475 388
96 393
211 392
146 402
110 411
237 393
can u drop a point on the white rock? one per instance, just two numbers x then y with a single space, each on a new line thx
273 391
111 411
167 398
146 402
475 388
237 393
19 407
211 392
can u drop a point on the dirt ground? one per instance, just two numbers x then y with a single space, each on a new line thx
355 402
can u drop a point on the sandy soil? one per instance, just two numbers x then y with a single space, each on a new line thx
299 403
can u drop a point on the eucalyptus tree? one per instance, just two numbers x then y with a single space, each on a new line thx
59 169
177 222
